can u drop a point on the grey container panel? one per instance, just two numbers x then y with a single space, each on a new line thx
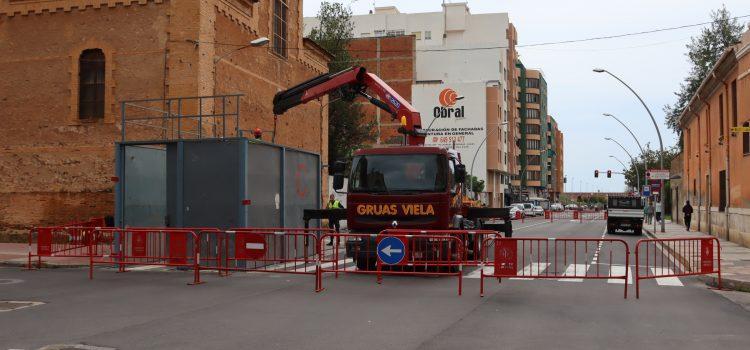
263 185
145 186
300 190
211 184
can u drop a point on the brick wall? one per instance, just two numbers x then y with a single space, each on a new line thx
55 168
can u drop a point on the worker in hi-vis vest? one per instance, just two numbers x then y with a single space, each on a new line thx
333 203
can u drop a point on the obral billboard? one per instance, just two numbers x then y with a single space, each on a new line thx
458 114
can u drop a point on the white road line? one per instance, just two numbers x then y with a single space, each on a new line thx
533 269
488 270
145 268
537 224
341 262
666 281
575 270
619 270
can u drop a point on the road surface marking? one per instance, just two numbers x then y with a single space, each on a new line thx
575 270
488 270
619 270
146 268
666 281
537 224
533 269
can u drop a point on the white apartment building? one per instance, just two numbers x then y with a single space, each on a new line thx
461 85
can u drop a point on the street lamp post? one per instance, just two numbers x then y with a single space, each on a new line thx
656 126
471 173
632 160
643 153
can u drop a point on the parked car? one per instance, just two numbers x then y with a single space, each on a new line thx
537 210
526 207
557 207
514 210
571 206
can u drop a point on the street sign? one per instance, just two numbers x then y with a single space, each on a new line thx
506 257
249 246
741 129
707 255
657 174
392 250
646 191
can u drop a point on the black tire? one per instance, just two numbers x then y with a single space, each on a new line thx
365 262
610 230
638 231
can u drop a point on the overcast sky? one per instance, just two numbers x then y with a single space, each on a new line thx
653 64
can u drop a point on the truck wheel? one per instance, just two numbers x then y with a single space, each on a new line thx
610 230
638 231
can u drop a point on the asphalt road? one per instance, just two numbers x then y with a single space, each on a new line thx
156 309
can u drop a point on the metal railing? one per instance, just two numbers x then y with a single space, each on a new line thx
194 117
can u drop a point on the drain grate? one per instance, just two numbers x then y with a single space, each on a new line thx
9 305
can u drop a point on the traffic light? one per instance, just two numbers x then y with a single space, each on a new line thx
609 173
596 173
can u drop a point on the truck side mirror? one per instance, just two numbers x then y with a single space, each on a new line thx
337 167
338 181
460 173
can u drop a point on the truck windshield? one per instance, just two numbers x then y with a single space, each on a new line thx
625 203
399 173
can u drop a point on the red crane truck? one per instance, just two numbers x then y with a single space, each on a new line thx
411 186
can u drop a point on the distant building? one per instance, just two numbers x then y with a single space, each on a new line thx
555 185
715 159
464 94
66 65
536 142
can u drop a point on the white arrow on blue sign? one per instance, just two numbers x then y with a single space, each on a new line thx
391 250
646 191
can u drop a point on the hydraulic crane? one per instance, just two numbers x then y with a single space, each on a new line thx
412 186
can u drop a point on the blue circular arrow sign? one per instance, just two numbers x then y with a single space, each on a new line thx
391 250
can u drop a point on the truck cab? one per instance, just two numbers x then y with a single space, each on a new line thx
624 213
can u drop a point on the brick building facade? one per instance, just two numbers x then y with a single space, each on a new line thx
393 60
67 63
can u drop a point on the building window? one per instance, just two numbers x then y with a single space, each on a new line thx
427 35
533 160
532 144
365 35
532 98
417 35
734 102
380 33
532 83
533 175
398 32
532 113
91 85
746 140
280 12
532 128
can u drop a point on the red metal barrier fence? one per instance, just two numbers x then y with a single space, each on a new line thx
562 215
555 258
471 240
146 246
392 254
592 215
58 242
675 257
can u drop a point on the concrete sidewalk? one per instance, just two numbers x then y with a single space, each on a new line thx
735 259
17 254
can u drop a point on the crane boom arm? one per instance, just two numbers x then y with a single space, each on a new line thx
356 81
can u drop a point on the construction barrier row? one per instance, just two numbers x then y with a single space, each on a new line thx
320 252
579 215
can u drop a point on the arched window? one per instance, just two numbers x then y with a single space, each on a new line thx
91 84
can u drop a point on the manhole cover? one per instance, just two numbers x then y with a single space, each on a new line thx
16 305
74 347
10 281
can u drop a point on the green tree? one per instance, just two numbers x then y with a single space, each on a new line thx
652 162
347 128
476 185
703 52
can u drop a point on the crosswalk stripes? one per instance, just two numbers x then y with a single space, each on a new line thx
533 269
666 281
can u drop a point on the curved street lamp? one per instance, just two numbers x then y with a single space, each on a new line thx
643 153
637 173
471 173
656 126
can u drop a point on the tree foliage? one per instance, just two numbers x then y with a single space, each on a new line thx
704 51
347 128
476 185
651 158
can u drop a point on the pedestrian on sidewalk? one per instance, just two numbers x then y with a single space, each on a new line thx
646 212
687 211
658 211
